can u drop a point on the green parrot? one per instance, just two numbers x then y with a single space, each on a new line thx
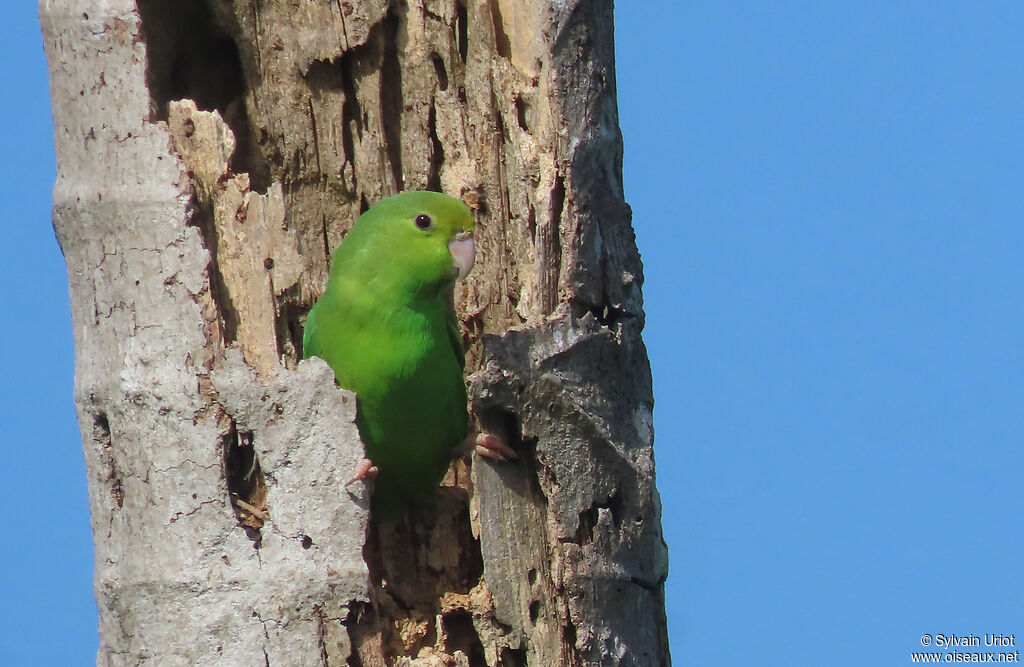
387 327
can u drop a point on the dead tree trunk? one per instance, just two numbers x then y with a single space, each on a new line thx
212 154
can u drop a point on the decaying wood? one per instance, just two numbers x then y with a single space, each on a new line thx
212 154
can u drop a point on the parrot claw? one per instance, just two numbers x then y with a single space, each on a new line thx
363 470
491 446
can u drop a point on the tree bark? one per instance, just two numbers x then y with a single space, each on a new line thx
211 156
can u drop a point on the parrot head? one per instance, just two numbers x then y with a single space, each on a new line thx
425 238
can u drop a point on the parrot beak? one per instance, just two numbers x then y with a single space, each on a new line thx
463 251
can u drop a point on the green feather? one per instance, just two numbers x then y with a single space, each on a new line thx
387 327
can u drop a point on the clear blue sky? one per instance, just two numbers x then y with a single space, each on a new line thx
828 200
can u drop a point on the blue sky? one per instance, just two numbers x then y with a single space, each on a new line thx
827 198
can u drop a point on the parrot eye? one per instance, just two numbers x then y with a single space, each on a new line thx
424 221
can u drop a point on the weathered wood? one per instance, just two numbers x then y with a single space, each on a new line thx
212 154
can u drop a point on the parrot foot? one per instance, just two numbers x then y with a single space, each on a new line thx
363 470
491 446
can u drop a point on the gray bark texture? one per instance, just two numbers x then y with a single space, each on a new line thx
211 156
